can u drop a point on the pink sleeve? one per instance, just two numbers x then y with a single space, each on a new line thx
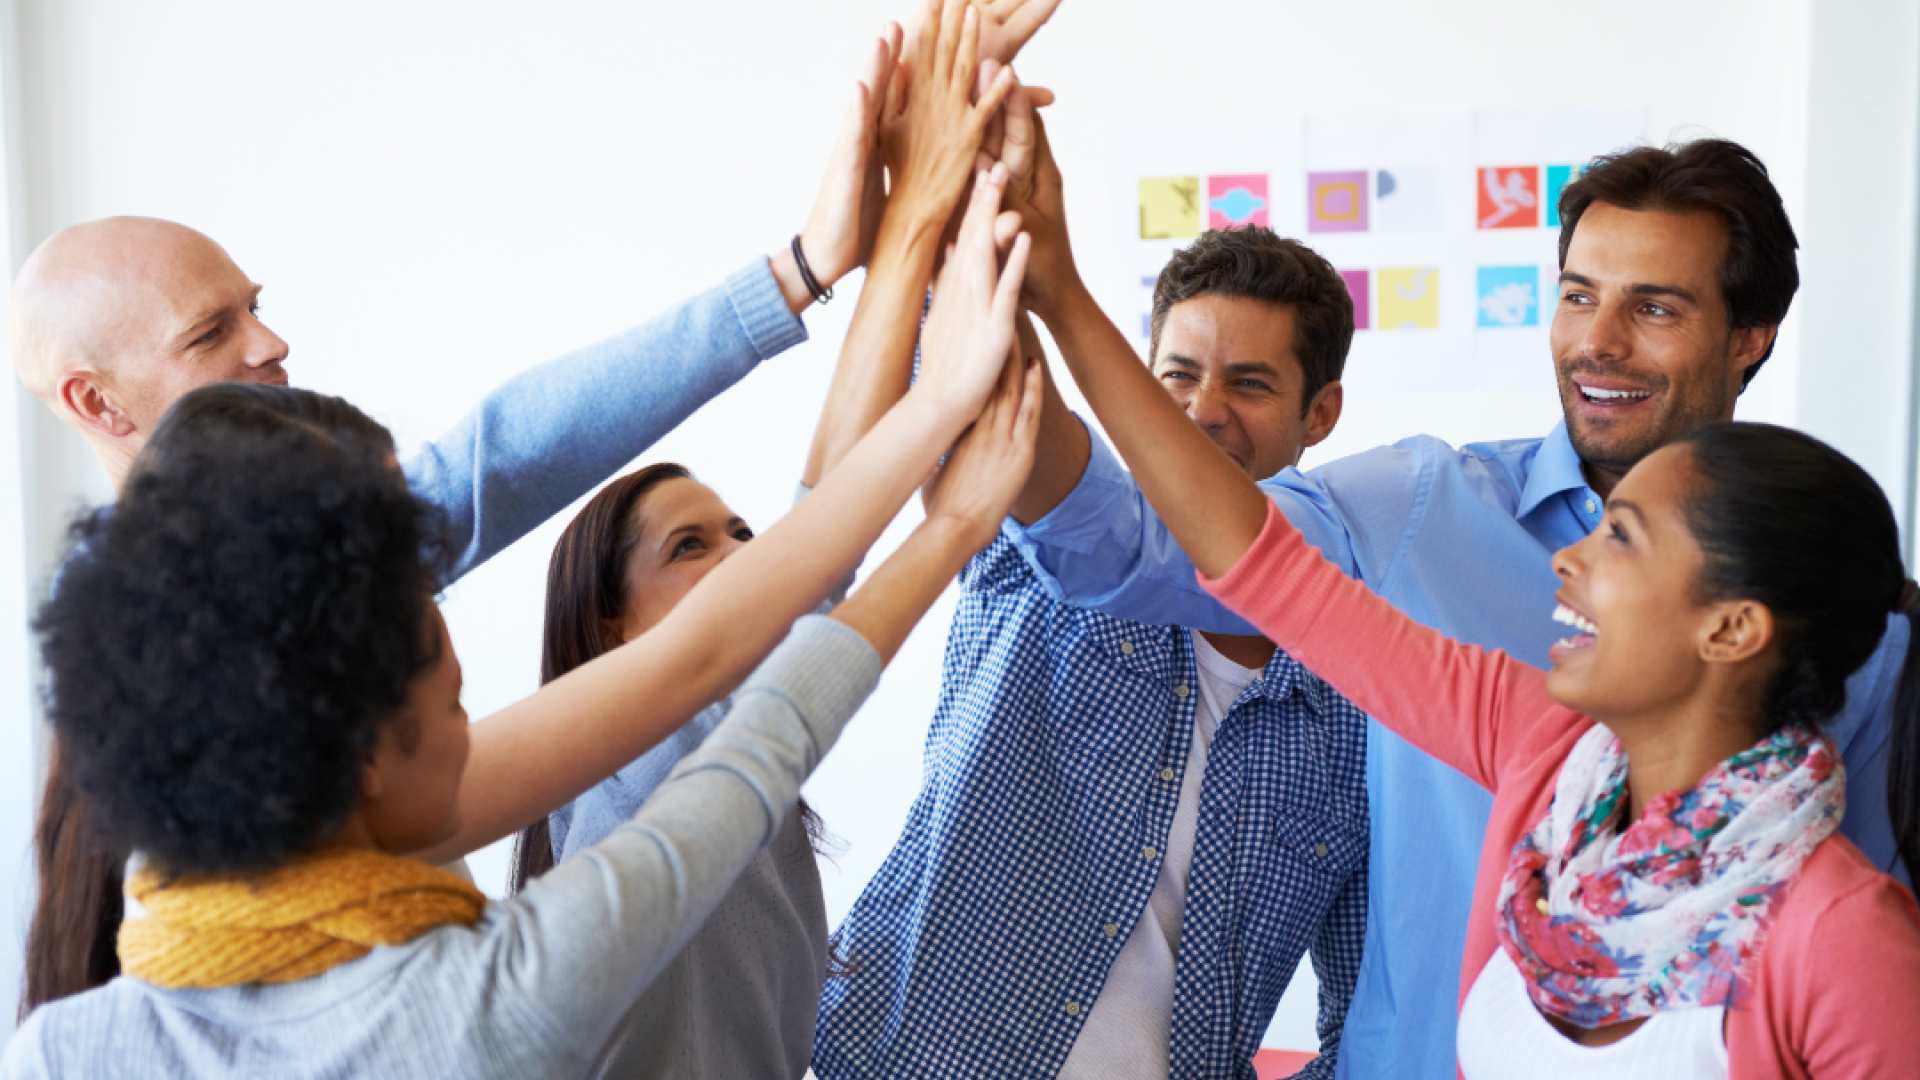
1464 705
1858 990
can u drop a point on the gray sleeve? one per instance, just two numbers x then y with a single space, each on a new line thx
547 436
581 943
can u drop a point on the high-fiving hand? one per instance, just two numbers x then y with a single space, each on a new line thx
846 214
931 129
970 329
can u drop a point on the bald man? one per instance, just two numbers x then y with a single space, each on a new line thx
112 321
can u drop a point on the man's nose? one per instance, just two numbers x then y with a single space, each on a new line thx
1608 335
265 347
1208 406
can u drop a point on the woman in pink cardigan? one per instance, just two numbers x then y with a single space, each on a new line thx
1662 891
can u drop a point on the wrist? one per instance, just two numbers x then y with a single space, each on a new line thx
959 535
786 274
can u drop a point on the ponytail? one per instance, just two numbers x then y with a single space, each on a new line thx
532 855
71 942
1903 751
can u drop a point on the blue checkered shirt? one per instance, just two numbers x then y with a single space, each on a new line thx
1051 775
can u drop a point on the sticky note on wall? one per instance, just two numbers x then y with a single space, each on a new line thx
1359 286
1234 201
1169 207
1337 201
1409 299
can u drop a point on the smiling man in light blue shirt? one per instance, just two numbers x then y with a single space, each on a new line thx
1677 268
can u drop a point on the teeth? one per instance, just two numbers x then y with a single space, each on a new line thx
1564 614
1598 394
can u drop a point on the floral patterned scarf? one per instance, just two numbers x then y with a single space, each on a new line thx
1610 925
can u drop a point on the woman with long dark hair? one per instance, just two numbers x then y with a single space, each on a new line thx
741 997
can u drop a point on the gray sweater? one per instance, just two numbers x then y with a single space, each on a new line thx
739 1000
541 984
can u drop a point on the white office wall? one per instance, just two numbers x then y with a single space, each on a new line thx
437 195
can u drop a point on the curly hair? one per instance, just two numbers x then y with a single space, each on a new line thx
228 641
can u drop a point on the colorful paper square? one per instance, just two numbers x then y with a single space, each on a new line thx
1509 197
1359 286
1234 201
1406 200
1558 177
1337 201
1508 296
1409 299
1169 207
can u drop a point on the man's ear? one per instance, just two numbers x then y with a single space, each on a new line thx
1323 413
1749 344
1737 631
91 404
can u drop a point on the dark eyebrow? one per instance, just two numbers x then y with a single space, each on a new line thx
187 335
1180 361
1569 277
1622 504
1253 367
671 533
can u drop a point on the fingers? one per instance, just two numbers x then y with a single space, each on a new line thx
966 56
991 100
991 139
1040 96
879 74
1016 143
1026 425
976 227
1006 293
1006 226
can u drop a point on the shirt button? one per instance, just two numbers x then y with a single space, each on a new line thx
1320 850
1149 852
1073 1008
1126 648
1111 930
1591 507
1179 689
1166 774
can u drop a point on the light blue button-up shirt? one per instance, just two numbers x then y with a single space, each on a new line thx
1461 540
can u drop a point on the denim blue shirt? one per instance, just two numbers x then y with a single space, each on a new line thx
1051 775
552 433
1460 540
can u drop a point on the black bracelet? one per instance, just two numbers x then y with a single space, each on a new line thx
820 295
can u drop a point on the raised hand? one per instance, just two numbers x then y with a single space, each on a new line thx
978 482
846 214
970 329
930 130
1043 213
1005 26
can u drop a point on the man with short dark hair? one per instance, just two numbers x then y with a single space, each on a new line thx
1677 265
1127 835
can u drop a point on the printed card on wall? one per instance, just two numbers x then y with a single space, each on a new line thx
1237 200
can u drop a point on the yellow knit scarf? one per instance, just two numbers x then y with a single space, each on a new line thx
288 924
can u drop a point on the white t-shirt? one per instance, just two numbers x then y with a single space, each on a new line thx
1504 1037
1127 1034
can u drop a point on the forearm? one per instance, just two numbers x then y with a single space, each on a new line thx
535 756
886 608
1060 455
875 368
1211 507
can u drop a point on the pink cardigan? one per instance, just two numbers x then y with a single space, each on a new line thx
1837 993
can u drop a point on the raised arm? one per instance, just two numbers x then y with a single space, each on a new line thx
588 937
549 435
535 755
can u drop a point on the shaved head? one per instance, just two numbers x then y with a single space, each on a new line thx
113 320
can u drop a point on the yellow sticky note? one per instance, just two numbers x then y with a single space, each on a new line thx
1169 207
1408 299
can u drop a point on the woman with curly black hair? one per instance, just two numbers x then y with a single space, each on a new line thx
257 694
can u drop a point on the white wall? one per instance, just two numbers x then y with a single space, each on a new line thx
437 195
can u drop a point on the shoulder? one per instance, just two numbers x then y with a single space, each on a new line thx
86 1034
1841 908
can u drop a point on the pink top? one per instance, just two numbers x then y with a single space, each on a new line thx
1838 990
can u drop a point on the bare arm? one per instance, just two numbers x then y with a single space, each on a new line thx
1212 508
535 755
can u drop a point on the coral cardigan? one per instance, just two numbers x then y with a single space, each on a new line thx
1837 993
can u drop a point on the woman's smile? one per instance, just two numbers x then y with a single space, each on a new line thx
1567 646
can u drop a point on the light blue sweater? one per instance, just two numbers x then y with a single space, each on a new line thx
550 434
539 987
